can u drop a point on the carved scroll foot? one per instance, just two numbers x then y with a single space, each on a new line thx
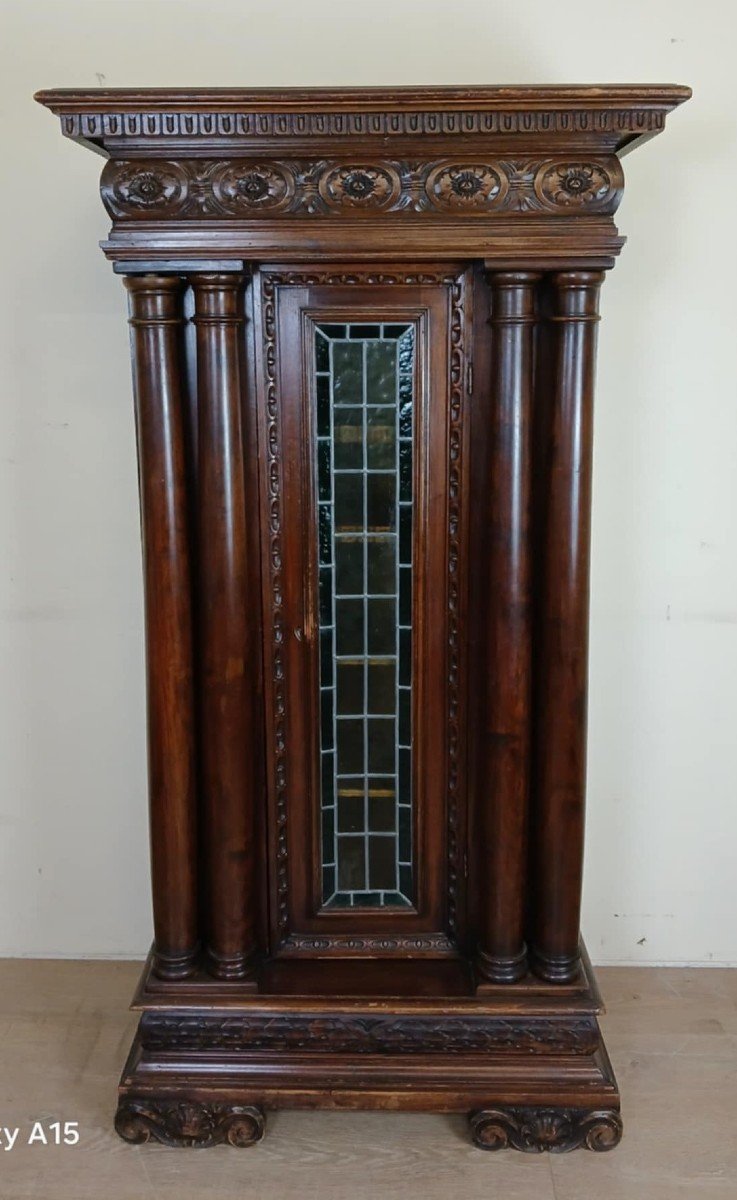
188 1122
534 1130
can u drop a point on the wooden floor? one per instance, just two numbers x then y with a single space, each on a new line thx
672 1035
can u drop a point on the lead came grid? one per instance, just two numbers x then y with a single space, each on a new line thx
364 392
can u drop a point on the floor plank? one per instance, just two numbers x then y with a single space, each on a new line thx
65 1030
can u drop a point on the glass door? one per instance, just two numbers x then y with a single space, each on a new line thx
361 494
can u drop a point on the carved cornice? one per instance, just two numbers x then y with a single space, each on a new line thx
368 1034
232 188
152 117
227 173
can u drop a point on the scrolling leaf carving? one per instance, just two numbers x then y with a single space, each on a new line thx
188 1123
535 1130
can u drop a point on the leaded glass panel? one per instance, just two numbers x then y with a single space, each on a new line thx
364 391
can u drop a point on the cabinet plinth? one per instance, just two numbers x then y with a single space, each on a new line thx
363 331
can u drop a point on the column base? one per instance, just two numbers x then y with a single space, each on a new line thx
555 968
497 969
175 966
235 967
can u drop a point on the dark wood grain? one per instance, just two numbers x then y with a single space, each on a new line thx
227 645
157 323
240 218
504 792
562 650
430 299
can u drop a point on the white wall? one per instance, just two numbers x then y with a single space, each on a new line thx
663 751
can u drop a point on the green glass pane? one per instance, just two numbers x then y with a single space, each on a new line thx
381 373
381 438
382 566
328 838
364 396
405 533
323 469
326 720
382 862
381 627
348 502
322 391
322 353
351 864
347 373
381 503
364 331
351 810
349 626
382 810
351 687
351 746
349 564
348 438
381 744
382 687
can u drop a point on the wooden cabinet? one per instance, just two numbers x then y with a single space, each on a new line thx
363 328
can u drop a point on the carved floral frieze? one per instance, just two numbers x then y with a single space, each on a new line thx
160 189
369 1034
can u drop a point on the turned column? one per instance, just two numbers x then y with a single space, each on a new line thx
226 650
562 626
156 320
504 776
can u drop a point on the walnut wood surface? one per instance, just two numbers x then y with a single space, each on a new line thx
227 692
504 773
239 218
373 172
432 298
562 649
157 322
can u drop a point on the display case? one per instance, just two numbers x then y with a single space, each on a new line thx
363 329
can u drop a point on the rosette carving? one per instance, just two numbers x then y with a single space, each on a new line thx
252 187
464 185
360 187
143 188
575 185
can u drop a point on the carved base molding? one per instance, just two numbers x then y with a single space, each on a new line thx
534 1075
188 1122
535 1130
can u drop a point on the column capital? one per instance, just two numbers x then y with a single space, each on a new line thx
513 297
155 299
217 297
575 295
